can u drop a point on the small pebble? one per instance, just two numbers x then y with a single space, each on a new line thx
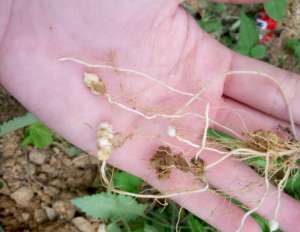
42 177
51 191
51 214
37 157
40 216
25 216
102 228
22 196
64 209
82 224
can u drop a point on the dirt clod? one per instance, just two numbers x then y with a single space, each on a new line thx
22 196
163 161
263 141
197 167
181 163
94 83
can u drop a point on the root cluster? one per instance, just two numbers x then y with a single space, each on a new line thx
278 153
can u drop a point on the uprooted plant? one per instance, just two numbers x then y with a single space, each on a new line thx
279 152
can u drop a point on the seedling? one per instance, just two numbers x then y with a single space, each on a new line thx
38 135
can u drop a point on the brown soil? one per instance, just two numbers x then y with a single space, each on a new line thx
164 161
263 141
292 23
36 191
9 106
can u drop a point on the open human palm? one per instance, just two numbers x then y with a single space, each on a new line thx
160 39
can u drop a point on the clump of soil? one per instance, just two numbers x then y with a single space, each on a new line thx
264 141
197 167
163 161
36 186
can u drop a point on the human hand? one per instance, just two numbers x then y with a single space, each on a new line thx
160 39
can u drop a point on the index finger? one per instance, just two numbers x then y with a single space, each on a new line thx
261 93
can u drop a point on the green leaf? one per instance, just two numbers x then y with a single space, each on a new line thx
138 224
1 184
276 9
264 225
211 26
219 7
259 51
38 135
195 225
294 46
73 151
17 123
127 182
257 162
1 229
243 51
218 135
113 227
227 41
248 35
293 185
149 228
110 206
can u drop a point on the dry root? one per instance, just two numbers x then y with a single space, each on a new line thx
280 154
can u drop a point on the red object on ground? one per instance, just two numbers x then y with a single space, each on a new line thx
264 22
266 26
265 38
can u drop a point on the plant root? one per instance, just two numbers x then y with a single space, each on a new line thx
279 154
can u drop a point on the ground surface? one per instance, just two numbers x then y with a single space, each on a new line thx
38 185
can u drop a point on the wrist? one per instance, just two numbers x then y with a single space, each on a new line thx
5 13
